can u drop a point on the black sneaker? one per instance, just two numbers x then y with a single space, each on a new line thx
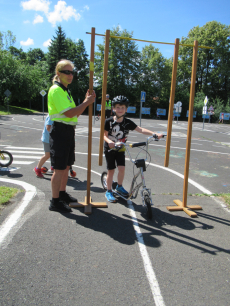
68 198
61 206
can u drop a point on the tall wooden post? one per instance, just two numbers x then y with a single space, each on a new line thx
104 89
88 203
183 205
171 104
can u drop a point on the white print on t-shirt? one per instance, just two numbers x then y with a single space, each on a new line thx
117 132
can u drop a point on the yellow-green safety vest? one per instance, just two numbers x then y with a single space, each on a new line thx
60 101
108 104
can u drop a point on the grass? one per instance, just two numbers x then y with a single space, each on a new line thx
16 110
7 193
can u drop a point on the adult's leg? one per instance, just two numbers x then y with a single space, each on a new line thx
56 182
64 179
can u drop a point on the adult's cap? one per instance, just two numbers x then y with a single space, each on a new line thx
120 100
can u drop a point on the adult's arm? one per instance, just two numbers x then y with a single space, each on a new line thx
78 110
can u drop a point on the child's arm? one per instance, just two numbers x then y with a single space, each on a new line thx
147 132
48 127
109 141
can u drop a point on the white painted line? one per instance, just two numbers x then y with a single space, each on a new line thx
157 145
155 288
24 156
11 221
27 152
23 148
17 162
24 127
154 285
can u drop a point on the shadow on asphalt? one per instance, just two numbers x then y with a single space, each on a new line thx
10 174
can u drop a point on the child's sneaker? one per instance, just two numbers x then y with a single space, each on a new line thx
51 169
109 196
38 172
122 191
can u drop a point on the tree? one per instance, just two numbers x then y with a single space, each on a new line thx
213 66
34 55
19 53
122 66
7 39
155 77
77 54
57 49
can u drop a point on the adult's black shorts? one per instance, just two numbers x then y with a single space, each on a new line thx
62 145
114 158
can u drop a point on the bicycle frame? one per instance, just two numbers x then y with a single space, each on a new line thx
140 163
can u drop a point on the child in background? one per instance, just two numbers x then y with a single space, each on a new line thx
117 129
46 145
39 170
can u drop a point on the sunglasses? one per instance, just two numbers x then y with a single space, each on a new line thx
68 72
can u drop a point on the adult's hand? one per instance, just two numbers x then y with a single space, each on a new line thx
89 99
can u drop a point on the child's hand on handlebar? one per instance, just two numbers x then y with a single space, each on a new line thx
111 145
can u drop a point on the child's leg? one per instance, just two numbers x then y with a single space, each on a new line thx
121 174
109 179
43 160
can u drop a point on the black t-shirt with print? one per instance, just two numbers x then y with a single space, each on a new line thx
118 131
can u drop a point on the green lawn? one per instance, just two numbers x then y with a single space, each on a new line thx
6 193
16 110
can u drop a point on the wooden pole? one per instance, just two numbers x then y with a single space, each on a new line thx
104 89
88 204
171 104
190 120
90 114
183 205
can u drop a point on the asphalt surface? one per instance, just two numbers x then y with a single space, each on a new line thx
115 256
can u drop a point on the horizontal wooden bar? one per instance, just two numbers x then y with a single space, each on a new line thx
152 42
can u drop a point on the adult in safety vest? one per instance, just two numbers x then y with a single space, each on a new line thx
108 107
64 114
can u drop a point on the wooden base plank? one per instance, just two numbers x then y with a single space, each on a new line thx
186 209
88 207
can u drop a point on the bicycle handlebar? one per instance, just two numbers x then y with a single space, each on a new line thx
119 145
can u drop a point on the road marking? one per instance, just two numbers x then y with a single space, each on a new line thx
151 276
27 152
157 145
24 148
13 218
23 162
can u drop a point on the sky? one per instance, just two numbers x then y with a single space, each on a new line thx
34 22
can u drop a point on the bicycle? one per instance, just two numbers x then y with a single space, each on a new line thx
6 158
98 117
141 165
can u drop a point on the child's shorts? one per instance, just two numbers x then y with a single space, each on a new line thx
46 146
114 158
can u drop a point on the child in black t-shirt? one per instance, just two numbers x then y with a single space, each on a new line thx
117 129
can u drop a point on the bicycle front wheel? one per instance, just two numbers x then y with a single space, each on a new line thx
104 180
148 206
6 159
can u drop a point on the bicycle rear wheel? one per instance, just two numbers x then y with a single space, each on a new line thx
103 180
6 159
148 206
